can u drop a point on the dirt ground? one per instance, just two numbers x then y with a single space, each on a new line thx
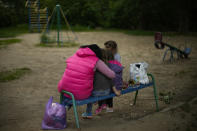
22 101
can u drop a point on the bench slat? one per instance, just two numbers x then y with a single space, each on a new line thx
68 101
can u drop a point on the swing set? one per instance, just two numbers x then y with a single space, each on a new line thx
181 54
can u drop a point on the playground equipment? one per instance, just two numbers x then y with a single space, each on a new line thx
159 44
55 34
37 17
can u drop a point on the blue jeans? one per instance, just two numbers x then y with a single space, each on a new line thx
96 94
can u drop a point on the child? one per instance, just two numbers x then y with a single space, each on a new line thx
112 46
117 81
102 86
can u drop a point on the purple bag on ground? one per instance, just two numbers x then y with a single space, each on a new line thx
55 116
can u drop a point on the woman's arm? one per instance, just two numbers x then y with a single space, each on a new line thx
103 68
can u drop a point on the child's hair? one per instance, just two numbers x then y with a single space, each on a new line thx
107 55
111 45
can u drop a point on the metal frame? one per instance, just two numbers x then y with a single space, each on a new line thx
58 12
74 105
172 49
29 14
32 5
154 90
135 99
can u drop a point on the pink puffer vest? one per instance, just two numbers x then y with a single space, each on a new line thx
79 74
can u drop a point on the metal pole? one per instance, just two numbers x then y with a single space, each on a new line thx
47 26
136 93
74 106
58 23
29 13
38 4
155 91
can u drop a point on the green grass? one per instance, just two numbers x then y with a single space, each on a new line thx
166 97
46 41
180 73
152 33
21 29
10 75
139 32
65 44
5 43
79 28
13 31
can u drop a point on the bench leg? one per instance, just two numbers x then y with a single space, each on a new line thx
156 98
74 106
61 98
75 113
136 93
155 91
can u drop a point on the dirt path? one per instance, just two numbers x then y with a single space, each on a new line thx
22 101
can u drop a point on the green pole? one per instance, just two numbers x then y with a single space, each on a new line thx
155 91
74 106
136 93
58 23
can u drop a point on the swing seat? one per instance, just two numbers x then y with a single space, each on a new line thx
68 102
188 50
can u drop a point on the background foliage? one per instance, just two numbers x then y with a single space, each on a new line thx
163 15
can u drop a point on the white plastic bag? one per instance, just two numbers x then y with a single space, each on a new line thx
138 72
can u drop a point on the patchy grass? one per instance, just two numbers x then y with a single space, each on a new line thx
13 31
152 33
5 43
166 97
79 28
10 75
47 41
140 33
21 29
65 44
180 73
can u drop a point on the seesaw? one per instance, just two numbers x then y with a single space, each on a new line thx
159 44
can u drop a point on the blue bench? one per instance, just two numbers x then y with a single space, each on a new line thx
76 103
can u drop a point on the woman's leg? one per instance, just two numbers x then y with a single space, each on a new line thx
88 113
89 108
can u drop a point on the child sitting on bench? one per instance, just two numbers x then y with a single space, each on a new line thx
102 84
113 47
117 81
